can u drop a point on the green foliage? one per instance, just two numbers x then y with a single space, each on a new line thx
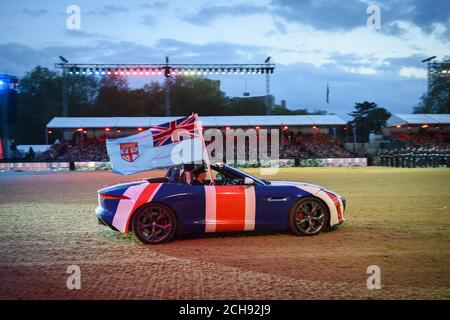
202 96
40 99
284 111
368 117
244 106
437 100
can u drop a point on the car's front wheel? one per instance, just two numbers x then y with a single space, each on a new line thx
309 216
154 223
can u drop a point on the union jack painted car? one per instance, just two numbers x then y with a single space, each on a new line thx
157 209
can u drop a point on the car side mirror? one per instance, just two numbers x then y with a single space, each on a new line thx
248 181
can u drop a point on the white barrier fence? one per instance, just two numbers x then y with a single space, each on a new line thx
93 166
34 166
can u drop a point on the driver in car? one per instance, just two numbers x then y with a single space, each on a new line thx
199 176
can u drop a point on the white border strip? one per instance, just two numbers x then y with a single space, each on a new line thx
210 209
250 208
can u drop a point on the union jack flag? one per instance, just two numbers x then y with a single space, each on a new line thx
174 131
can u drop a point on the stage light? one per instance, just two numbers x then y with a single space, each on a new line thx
118 131
159 72
425 126
257 127
107 129
228 128
80 129
398 126
49 131
84 131
140 129
285 128
315 128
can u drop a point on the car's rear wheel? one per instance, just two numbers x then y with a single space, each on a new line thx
154 223
309 216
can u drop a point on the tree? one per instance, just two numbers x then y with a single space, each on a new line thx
202 96
112 98
368 117
38 101
246 106
285 111
437 100
82 92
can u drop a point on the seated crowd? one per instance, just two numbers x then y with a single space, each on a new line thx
423 139
88 149
304 146
295 146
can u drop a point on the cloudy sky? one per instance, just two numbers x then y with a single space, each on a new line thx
312 42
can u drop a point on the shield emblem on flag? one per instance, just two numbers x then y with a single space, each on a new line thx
129 151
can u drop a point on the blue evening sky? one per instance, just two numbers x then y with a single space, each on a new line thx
311 41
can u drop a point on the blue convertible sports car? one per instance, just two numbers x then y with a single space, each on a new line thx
158 209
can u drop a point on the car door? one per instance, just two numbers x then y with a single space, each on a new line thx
230 208
279 201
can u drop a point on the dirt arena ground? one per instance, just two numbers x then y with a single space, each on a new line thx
398 219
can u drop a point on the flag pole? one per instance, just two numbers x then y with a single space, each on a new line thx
328 97
205 152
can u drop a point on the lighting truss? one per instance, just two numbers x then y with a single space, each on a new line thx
166 70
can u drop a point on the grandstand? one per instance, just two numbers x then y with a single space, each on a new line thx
416 140
303 136
418 131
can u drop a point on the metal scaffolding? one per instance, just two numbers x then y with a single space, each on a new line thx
167 70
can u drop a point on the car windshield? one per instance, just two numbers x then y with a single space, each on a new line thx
222 174
233 175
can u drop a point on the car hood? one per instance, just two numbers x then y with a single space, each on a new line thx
311 188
